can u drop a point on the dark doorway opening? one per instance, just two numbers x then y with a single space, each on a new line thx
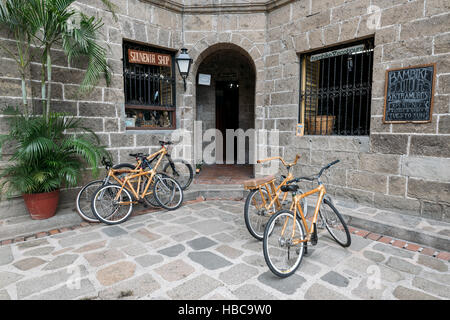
227 112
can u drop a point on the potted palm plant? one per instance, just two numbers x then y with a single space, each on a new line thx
49 150
45 158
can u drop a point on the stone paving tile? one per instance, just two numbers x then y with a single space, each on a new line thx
29 263
213 257
100 258
368 292
31 244
223 237
432 287
144 235
149 260
6 278
138 287
252 292
195 288
403 265
335 279
61 261
210 226
39 251
238 274
442 278
134 226
172 251
135 250
114 231
256 260
175 270
209 260
79 239
91 246
67 292
4 295
392 250
285 285
184 235
309 268
404 293
229 252
27 287
116 272
374 256
201 243
319 292
331 256
433 263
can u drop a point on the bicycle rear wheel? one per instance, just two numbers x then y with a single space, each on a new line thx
281 255
109 210
181 171
256 215
334 223
167 192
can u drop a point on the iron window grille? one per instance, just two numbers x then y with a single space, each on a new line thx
335 89
149 91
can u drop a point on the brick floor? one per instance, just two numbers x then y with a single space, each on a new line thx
224 174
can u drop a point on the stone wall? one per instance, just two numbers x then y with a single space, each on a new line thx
402 166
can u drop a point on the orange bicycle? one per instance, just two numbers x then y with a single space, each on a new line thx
265 198
287 233
113 203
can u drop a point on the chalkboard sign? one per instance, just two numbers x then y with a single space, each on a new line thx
409 94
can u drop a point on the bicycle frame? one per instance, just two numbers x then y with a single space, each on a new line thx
296 205
138 172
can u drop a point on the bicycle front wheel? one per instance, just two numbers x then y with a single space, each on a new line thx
335 223
256 215
281 254
84 197
107 208
181 171
84 200
167 192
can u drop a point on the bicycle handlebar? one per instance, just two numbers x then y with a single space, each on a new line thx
282 160
316 177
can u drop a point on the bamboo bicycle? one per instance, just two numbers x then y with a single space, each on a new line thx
113 203
285 240
264 198
180 170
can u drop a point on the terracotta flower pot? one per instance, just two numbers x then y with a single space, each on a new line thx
42 205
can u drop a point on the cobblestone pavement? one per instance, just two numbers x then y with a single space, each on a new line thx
204 251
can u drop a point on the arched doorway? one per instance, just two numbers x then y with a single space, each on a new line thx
227 102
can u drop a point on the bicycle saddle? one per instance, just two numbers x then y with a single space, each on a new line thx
290 188
165 142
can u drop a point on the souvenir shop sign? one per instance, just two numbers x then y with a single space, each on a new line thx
409 94
151 58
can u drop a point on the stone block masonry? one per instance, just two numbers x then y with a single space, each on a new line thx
401 166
